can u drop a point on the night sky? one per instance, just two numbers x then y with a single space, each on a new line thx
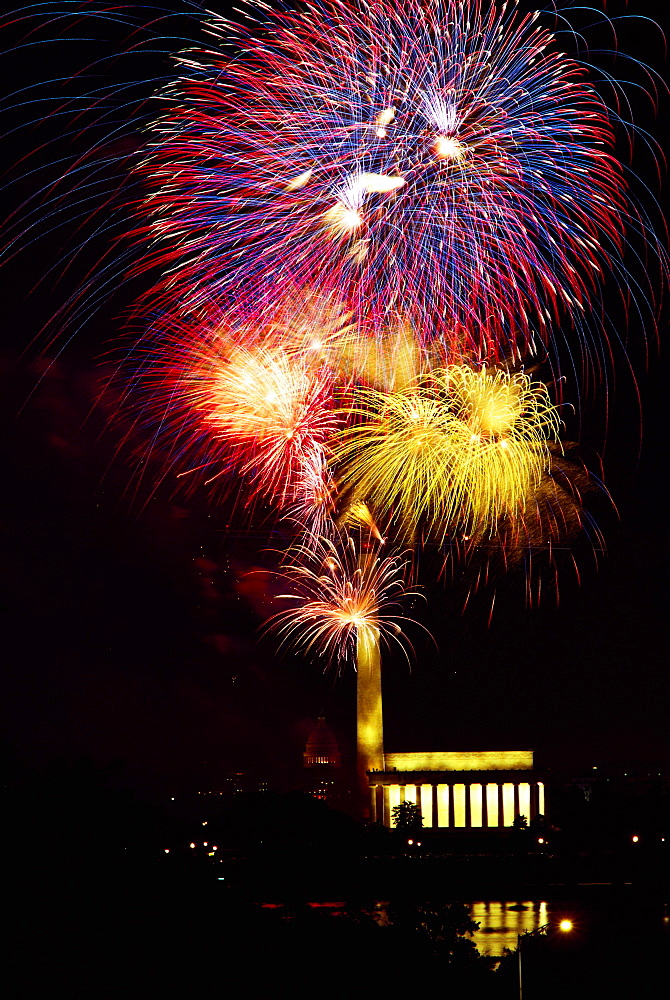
131 612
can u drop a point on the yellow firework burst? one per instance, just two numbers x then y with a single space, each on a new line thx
499 405
395 455
499 444
461 448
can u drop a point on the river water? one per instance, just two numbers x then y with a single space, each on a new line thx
500 923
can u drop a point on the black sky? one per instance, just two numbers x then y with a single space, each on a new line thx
131 628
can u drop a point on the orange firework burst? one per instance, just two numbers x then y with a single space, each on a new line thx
234 407
272 415
342 597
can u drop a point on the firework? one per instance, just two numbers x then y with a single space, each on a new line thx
342 599
272 417
499 444
357 513
303 322
319 329
538 537
366 194
395 456
243 414
462 449
346 599
442 159
391 362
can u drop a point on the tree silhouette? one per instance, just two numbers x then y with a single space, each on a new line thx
407 817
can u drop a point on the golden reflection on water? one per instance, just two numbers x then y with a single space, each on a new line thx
500 923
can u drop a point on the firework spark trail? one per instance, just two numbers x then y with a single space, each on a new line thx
499 443
462 449
341 598
394 455
227 409
367 194
443 160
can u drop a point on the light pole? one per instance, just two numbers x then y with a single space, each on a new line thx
565 926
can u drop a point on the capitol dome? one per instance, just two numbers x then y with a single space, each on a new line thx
321 749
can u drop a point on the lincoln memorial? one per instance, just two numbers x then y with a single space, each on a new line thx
467 790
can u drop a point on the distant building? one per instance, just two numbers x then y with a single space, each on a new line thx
467 790
239 782
322 766
322 749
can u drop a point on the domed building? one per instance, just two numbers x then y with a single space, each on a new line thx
322 749
322 762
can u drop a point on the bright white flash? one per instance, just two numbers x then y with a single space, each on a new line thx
443 113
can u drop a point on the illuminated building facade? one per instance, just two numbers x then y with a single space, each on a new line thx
484 790
369 715
467 790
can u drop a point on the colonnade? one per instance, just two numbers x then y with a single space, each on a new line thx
459 802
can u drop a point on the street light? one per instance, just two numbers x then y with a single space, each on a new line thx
565 926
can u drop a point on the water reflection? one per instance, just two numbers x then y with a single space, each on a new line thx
500 923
